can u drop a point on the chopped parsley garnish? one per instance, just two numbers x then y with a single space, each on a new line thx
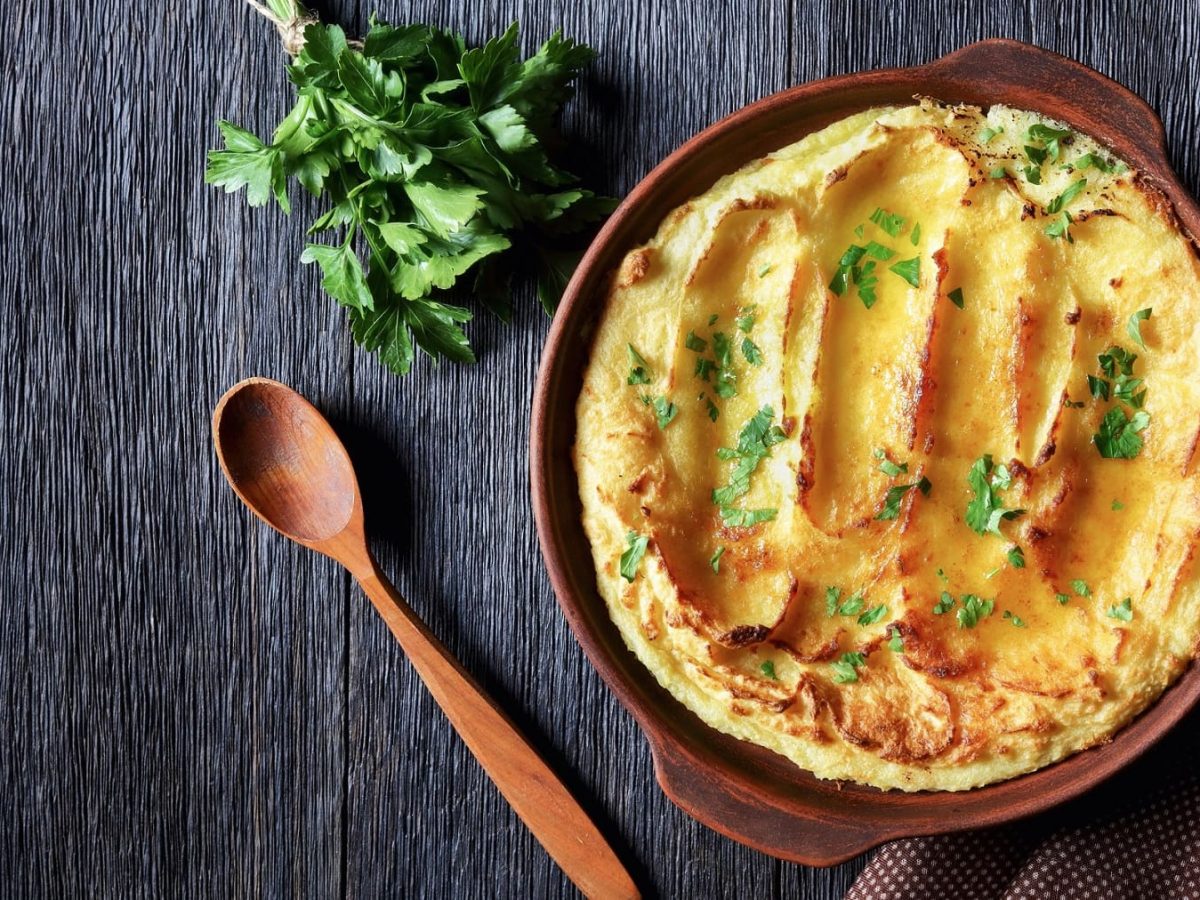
712 320
751 352
1091 160
1066 196
973 609
1069 404
891 503
985 512
988 133
664 411
845 669
1118 437
1016 557
909 270
859 231
632 557
833 599
1032 174
755 441
1097 387
895 642
744 518
725 384
745 321
765 270
695 343
1080 587
713 412
850 272
878 251
639 372
889 468
873 615
853 606
890 222
1135 325
1061 228
1122 610
1062 599
715 559
1117 505
1037 155
956 297
915 237
997 172
1117 358
1048 137
942 575
768 669
704 367
1015 619
944 604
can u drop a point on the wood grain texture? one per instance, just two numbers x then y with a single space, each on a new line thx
191 705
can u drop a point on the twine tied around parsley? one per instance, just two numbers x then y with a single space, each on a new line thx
289 18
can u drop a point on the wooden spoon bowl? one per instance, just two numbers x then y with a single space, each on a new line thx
739 789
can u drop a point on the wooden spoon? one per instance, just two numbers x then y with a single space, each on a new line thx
286 463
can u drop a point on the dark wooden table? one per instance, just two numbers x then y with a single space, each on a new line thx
192 706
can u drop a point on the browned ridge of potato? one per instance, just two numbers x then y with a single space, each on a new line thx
840 409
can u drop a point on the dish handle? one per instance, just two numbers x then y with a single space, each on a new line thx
748 815
1039 79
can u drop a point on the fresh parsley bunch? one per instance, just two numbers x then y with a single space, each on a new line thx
433 160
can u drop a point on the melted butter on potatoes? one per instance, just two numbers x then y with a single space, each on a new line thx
882 538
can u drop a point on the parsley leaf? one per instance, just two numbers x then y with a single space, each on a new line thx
915 237
715 559
1047 136
1122 610
1061 228
1062 599
632 557
1098 387
751 352
891 503
997 172
944 604
1015 619
1016 557
745 518
984 513
1066 196
664 411
845 669
768 669
890 222
956 297
1117 505
1091 160
765 270
431 161
895 642
1119 437
755 441
1135 325
986 135
872 615
1080 587
973 609
639 371
833 598
853 606
694 343
909 270
889 468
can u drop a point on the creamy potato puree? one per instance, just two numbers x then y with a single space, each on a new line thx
838 430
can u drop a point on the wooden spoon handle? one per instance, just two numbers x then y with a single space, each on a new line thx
527 783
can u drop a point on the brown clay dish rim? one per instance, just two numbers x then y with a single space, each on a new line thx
741 790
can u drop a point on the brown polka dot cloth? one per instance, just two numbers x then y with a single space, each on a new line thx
1136 836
